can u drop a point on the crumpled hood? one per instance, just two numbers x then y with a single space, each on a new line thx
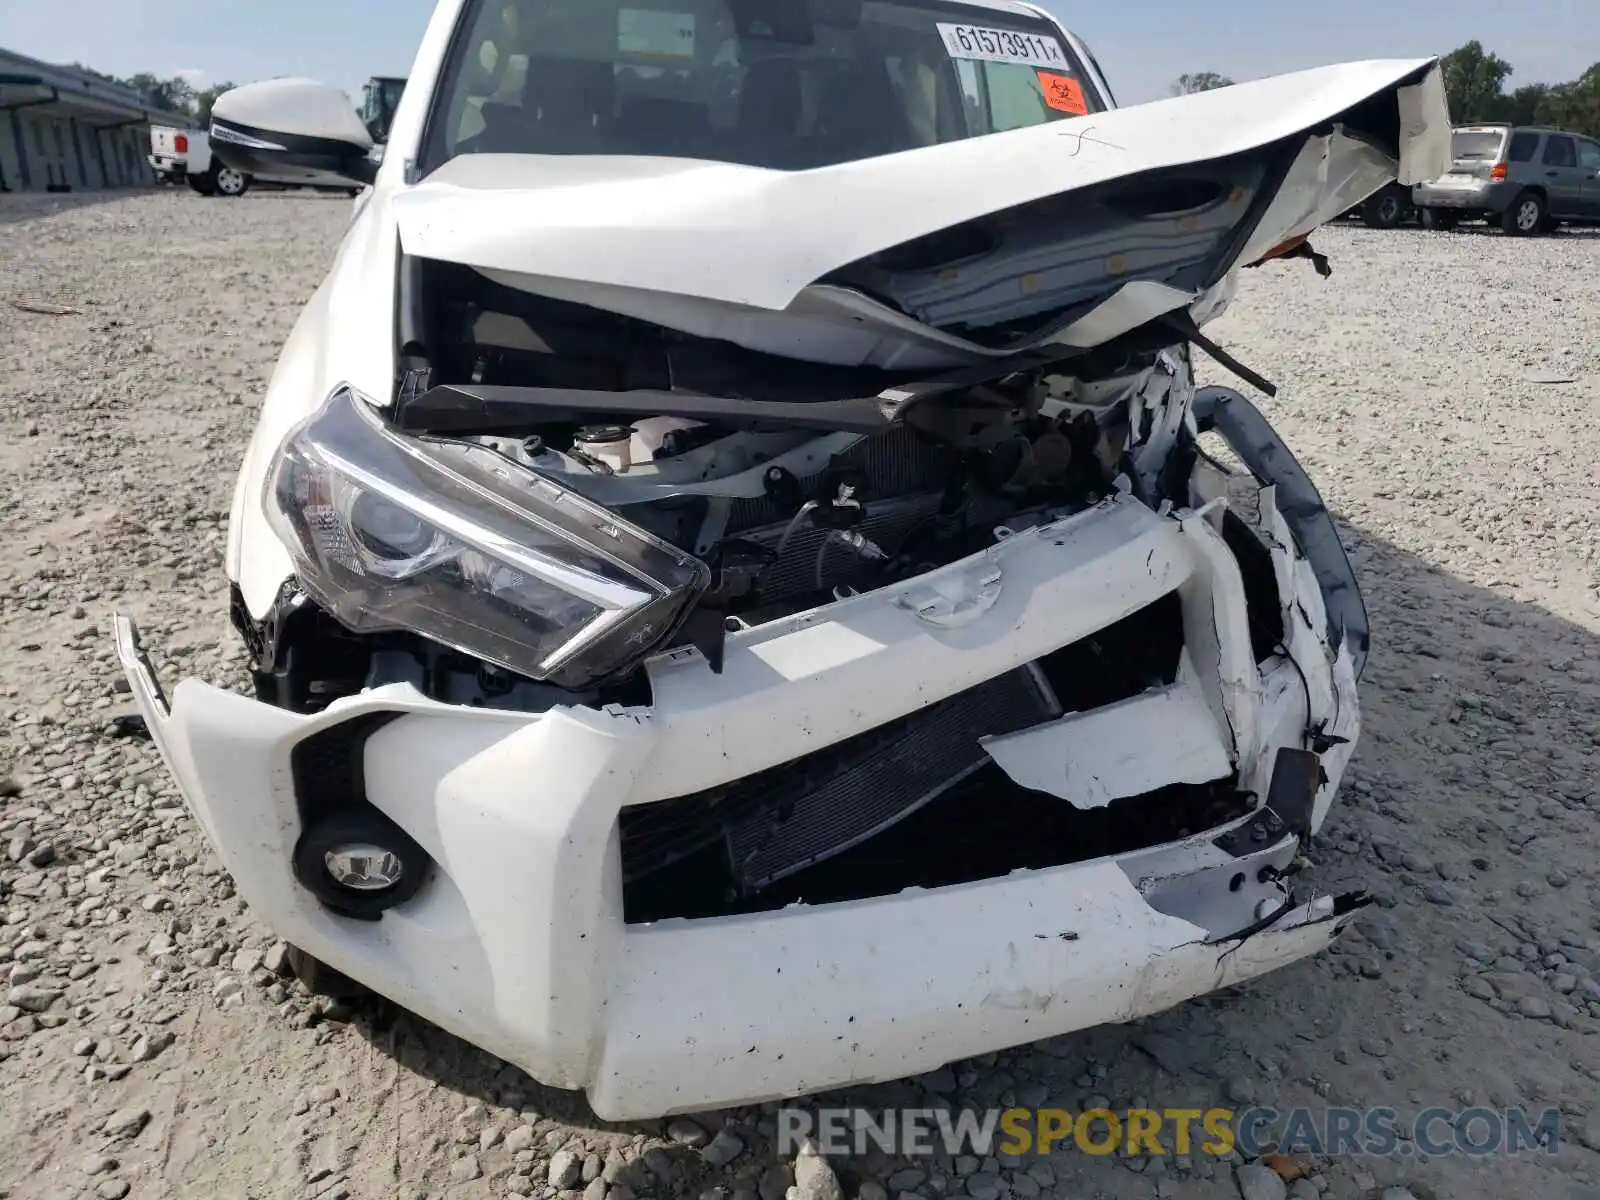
642 235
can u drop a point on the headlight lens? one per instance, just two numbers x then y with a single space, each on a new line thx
459 544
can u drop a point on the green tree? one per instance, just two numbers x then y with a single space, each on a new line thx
204 99
1473 80
1576 105
93 74
1528 105
1200 81
173 94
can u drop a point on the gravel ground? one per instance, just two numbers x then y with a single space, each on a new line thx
1442 388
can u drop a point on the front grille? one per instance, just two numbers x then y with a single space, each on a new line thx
792 816
737 839
902 806
815 809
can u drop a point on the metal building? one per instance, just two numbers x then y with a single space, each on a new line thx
62 130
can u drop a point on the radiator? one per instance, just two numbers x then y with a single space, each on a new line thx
793 816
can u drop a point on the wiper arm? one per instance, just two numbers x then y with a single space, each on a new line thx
469 408
463 408
460 408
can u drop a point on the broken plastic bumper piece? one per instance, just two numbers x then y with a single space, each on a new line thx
519 940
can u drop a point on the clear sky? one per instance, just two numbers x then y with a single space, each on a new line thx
1142 44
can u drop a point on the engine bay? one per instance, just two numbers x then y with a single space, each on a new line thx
786 484
789 518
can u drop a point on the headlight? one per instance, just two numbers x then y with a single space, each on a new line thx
460 544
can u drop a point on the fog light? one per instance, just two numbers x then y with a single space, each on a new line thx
358 862
363 868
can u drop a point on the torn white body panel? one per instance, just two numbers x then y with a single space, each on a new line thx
1308 565
578 218
1332 713
832 324
1330 175
861 999
571 229
1129 748
1158 401
779 694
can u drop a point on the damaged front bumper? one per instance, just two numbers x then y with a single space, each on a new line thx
521 940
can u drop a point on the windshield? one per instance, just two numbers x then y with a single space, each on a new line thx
1477 143
786 84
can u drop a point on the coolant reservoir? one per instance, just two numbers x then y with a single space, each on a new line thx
652 433
611 445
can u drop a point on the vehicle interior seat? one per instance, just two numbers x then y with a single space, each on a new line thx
859 116
567 108
770 103
659 126
572 104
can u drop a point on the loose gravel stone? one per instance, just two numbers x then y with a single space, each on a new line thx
775 1182
566 1168
521 1138
150 1045
1257 1182
32 999
814 1178
127 1122
687 1133
722 1149
1534 1007
1241 1090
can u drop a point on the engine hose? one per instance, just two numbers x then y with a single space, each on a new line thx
863 547
783 543
794 524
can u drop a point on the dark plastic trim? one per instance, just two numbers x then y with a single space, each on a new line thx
1258 445
287 153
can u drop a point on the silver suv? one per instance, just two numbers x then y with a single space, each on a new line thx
1524 179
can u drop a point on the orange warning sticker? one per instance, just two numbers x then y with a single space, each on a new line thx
1063 93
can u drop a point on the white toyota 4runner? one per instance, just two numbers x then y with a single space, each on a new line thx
740 597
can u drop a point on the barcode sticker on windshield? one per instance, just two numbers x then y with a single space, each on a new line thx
1002 45
655 34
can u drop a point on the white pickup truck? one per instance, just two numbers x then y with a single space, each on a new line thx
184 155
